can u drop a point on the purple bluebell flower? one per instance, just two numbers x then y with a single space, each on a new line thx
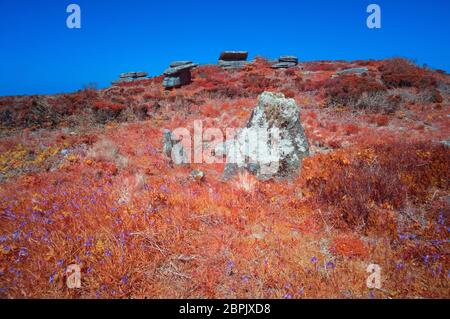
52 278
108 253
16 235
313 260
330 265
230 266
124 279
441 220
245 278
287 296
89 241
23 252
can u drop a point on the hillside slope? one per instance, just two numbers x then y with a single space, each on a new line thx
84 181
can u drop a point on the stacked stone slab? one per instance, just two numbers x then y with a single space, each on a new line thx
286 61
178 74
131 76
233 59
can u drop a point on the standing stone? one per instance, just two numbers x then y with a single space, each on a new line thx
273 144
173 149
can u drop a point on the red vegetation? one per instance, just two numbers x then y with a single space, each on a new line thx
345 90
351 129
83 181
385 175
402 73
379 119
348 246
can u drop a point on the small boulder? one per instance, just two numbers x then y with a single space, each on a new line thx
197 175
357 71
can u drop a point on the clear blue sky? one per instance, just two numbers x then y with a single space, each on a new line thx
39 54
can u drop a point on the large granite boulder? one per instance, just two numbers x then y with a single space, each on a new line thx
178 74
273 144
233 59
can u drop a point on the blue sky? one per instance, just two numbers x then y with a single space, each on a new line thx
40 55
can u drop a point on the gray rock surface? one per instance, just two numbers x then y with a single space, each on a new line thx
357 71
179 63
232 64
178 74
284 65
288 58
173 149
134 75
171 82
130 76
197 175
273 144
233 59
285 61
